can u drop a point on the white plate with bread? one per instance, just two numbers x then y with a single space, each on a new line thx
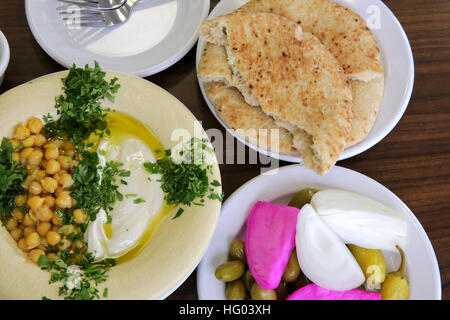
333 78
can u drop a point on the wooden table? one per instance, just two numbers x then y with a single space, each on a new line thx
413 160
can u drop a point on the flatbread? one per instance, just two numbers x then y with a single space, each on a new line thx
367 99
248 122
343 31
294 77
213 65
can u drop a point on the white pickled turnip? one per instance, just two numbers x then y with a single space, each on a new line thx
360 220
323 256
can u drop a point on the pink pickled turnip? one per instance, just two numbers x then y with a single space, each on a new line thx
270 240
314 292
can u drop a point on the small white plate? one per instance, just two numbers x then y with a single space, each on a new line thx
398 63
157 35
422 268
4 56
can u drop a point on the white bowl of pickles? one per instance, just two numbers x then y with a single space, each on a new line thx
292 234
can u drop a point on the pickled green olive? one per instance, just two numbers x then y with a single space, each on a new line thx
248 279
281 290
302 197
396 286
235 290
292 269
237 250
372 264
258 293
230 271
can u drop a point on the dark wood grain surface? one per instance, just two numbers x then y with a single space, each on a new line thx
413 160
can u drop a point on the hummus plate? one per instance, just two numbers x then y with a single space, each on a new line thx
176 246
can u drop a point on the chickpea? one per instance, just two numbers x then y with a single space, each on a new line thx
28 221
32 215
20 200
43 228
74 202
64 244
22 244
66 181
35 254
29 142
79 216
65 162
35 188
26 183
18 214
52 256
14 142
39 140
44 214
68 229
22 132
16 234
59 190
25 153
78 245
35 202
57 221
15 156
35 157
67 145
69 153
40 174
51 153
53 166
27 231
50 145
49 184
50 201
53 238
64 200
32 240
35 125
11 224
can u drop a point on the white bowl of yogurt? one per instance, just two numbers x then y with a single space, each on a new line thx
4 56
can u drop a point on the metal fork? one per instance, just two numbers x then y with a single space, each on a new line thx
75 16
96 4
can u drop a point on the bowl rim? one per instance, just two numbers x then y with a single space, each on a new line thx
4 56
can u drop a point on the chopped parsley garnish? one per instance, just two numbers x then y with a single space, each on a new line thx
78 283
79 109
95 186
139 200
131 195
12 174
185 181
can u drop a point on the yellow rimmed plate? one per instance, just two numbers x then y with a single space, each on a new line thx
176 246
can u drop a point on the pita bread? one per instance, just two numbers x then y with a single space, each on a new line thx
343 31
367 99
248 122
293 75
231 107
